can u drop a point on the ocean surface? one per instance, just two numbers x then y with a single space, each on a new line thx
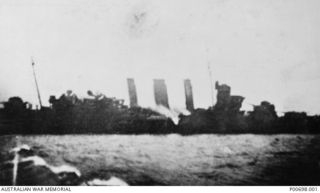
182 160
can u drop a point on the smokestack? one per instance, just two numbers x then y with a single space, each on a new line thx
132 93
160 92
189 95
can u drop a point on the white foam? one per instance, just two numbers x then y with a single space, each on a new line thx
17 149
65 168
113 181
38 161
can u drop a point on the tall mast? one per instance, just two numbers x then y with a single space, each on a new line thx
35 79
210 76
211 83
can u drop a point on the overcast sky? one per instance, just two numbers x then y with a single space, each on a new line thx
264 49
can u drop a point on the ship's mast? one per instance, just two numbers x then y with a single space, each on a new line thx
211 83
210 76
35 79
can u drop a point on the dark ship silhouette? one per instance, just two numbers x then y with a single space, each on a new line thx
98 113
102 114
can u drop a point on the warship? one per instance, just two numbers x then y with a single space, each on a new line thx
98 113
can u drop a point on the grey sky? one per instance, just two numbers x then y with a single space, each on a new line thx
264 49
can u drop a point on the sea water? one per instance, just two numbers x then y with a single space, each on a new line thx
183 160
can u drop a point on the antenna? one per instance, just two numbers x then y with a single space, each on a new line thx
211 83
35 79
